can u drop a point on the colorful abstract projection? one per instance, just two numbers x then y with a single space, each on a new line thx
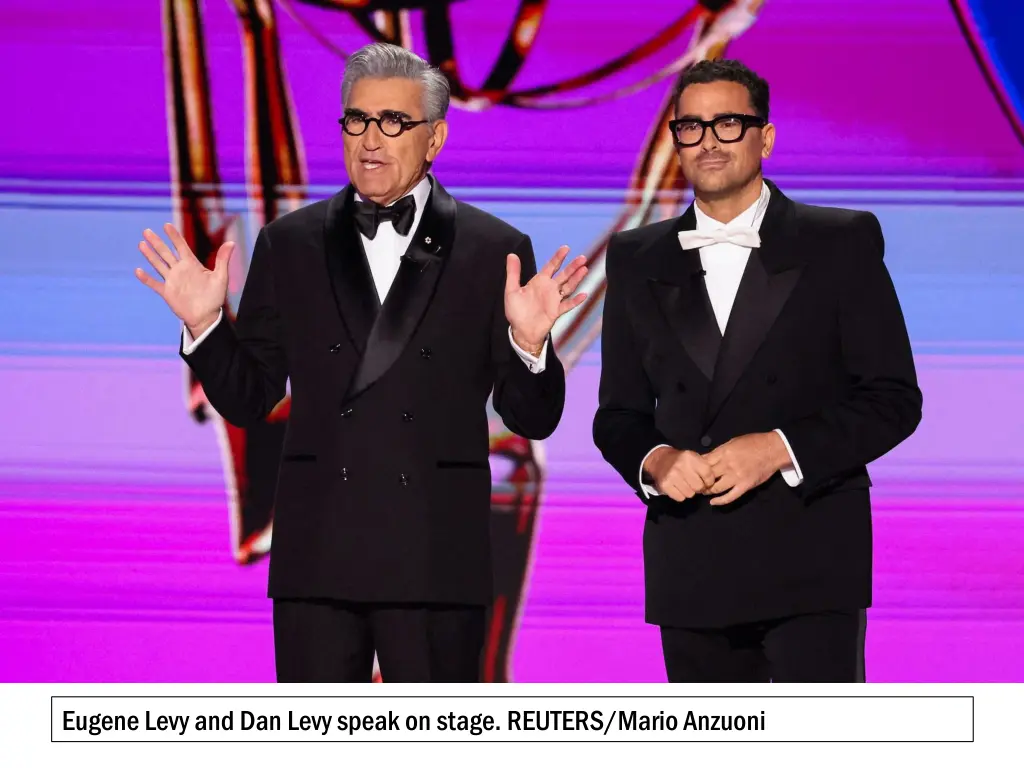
277 177
993 29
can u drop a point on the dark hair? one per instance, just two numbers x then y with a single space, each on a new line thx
728 70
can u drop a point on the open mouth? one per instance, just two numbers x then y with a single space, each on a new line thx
372 165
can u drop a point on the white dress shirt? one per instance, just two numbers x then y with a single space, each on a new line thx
384 255
723 265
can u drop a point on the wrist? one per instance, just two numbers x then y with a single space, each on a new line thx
780 455
533 348
200 327
647 470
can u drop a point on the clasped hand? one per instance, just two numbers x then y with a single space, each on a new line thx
726 473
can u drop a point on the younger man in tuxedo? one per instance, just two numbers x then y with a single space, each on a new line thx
755 359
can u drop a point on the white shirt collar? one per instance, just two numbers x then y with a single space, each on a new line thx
751 217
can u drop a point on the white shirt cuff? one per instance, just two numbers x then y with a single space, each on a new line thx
793 476
188 345
535 364
649 490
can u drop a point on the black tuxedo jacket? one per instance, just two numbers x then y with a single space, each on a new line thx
384 486
816 346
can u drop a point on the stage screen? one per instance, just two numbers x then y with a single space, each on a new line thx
128 550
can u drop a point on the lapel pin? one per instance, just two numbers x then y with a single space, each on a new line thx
426 240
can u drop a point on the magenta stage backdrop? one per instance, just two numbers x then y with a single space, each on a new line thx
117 560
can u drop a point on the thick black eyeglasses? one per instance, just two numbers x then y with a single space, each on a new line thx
391 124
689 132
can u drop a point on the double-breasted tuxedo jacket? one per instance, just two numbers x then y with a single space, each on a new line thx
815 346
384 485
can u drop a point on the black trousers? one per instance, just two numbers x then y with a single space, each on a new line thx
329 641
811 648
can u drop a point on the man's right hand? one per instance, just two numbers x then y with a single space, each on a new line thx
680 475
194 293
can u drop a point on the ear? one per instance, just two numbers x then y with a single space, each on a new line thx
768 139
437 139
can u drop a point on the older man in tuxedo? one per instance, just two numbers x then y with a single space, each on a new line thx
394 311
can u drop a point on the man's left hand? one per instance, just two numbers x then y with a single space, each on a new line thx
532 309
744 463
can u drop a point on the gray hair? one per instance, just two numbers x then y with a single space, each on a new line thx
383 60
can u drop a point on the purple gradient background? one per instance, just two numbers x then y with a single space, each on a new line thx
94 107
115 562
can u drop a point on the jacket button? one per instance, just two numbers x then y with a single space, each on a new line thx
705 441
406 416
772 378
344 473
403 479
680 387
425 353
336 348
346 413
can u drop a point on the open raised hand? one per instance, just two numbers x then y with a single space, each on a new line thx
194 293
532 309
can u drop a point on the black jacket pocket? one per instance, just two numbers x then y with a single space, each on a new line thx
299 457
463 465
859 481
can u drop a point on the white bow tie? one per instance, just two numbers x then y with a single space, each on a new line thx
742 236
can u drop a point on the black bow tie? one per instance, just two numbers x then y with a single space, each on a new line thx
369 215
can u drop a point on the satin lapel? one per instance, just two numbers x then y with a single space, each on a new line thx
351 279
411 292
771 274
682 295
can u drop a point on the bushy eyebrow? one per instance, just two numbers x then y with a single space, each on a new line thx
397 113
698 117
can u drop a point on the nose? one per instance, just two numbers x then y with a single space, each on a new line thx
372 138
710 142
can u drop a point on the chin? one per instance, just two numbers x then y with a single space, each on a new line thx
371 185
715 186
708 187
